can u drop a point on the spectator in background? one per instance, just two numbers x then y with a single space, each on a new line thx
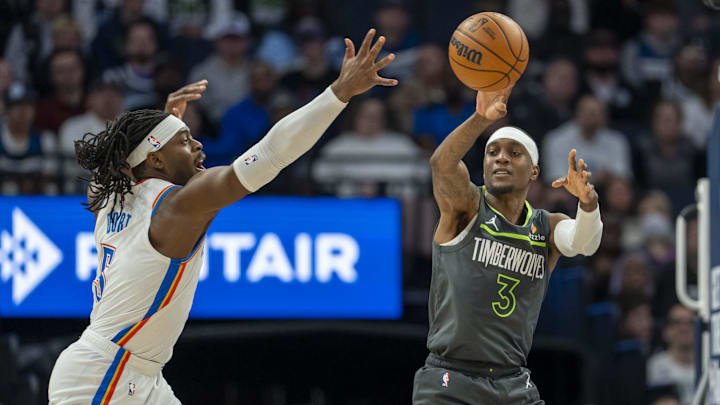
632 277
431 124
247 121
567 21
109 47
26 163
602 79
647 58
228 67
188 22
394 22
104 103
136 75
653 203
67 77
6 78
622 381
691 88
606 151
665 159
313 74
370 160
540 109
31 41
539 17
675 365
66 36
425 86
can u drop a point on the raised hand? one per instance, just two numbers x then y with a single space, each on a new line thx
359 72
177 101
492 105
577 182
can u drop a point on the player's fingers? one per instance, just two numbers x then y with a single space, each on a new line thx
176 112
382 63
365 46
185 97
559 182
349 49
587 176
505 94
376 48
386 82
571 160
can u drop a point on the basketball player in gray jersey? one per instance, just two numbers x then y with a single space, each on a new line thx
493 254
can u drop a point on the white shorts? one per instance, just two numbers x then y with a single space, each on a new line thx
96 371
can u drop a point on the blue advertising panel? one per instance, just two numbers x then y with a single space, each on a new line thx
265 258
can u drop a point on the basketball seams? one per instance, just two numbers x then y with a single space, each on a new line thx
475 69
504 75
488 49
507 40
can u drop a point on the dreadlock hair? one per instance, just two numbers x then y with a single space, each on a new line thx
105 155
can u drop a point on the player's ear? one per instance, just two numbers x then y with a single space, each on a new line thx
534 172
155 161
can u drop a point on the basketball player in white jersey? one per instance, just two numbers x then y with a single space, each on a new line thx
153 201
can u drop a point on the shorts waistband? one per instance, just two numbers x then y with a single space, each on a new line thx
474 368
110 349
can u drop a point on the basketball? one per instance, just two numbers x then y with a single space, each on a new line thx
488 51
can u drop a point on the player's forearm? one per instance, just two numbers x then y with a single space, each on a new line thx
287 140
451 151
581 235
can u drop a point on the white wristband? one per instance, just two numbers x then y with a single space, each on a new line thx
581 235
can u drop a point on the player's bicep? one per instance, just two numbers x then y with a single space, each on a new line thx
209 191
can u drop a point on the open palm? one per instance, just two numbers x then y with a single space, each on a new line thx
577 181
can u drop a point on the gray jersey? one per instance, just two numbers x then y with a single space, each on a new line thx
487 289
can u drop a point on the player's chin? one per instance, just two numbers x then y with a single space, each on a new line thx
500 187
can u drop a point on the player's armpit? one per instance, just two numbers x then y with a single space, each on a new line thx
457 198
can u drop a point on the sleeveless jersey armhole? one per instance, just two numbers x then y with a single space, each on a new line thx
457 239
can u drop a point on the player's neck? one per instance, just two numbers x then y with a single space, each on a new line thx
510 205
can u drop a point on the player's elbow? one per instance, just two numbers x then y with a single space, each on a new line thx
438 163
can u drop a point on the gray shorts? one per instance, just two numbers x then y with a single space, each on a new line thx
439 386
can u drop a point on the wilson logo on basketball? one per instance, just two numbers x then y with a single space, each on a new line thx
462 50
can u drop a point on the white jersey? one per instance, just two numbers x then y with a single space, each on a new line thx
141 297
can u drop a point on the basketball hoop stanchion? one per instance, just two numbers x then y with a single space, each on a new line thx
707 339
702 303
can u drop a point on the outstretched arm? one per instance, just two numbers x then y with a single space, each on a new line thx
288 139
186 212
456 196
570 237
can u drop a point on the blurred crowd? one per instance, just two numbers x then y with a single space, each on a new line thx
630 84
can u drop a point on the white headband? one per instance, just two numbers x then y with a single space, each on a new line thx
156 139
519 136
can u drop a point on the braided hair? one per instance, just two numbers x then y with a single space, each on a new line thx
105 154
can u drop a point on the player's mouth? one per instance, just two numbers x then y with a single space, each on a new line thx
199 164
501 172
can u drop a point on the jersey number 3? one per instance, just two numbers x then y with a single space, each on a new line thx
108 252
506 306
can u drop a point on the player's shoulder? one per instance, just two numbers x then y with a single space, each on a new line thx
151 189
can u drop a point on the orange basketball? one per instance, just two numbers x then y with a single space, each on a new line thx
488 51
